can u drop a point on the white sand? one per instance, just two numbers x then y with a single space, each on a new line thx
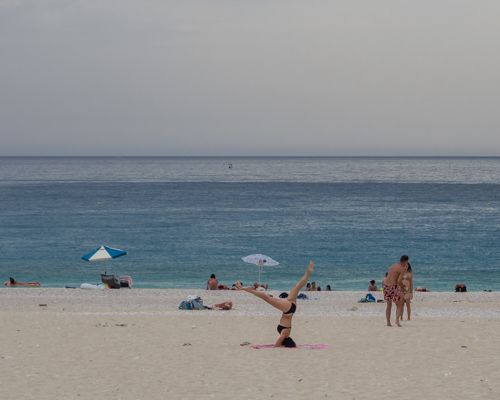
129 344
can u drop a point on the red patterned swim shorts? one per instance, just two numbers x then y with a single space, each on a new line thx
392 293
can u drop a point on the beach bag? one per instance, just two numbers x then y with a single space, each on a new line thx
367 299
126 281
111 281
370 298
192 303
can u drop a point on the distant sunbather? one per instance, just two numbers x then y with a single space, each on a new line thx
259 286
13 283
225 305
221 286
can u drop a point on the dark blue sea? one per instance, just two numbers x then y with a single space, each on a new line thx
181 219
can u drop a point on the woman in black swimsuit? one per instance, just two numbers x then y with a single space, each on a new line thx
287 306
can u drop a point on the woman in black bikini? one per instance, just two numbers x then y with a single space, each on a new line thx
287 306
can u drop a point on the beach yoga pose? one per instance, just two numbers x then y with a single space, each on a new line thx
287 306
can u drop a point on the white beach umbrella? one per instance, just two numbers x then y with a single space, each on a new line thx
260 260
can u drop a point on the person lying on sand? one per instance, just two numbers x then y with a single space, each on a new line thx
221 286
13 283
287 306
225 305
260 286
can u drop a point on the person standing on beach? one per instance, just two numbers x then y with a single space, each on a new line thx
393 289
287 306
407 282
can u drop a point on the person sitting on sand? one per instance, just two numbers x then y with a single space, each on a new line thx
372 287
13 283
287 306
460 287
212 283
393 289
233 287
328 288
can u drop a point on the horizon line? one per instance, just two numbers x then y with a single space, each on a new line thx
246 156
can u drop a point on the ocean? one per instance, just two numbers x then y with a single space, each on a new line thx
182 218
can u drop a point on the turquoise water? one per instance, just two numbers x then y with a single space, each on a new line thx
181 219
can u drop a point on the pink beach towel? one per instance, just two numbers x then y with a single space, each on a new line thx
318 346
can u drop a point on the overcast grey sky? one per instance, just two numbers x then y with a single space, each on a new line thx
254 77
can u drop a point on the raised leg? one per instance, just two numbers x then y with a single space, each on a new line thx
301 283
281 304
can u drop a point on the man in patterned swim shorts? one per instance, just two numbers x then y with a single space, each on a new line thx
392 293
393 289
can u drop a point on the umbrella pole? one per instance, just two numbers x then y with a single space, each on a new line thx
260 270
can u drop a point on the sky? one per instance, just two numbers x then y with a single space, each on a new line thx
249 77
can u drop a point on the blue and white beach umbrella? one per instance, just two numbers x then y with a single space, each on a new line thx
260 260
103 253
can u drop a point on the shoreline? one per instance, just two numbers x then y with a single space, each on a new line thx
138 287
287 289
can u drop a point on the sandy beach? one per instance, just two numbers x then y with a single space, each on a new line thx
135 344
